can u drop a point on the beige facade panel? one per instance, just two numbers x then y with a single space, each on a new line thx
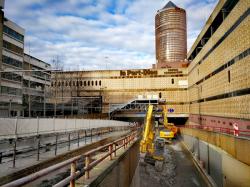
12 55
13 41
36 62
14 26
229 48
180 109
125 84
118 74
234 15
233 107
219 83
216 11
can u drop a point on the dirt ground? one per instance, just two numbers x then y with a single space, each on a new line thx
178 170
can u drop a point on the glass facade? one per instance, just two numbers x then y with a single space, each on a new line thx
11 76
12 62
13 33
12 47
11 91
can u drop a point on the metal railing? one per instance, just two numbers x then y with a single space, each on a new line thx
240 133
110 148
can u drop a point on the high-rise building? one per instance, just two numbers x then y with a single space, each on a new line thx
23 78
170 36
12 62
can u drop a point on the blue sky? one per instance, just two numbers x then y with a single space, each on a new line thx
98 34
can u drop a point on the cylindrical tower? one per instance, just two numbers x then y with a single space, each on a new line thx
171 35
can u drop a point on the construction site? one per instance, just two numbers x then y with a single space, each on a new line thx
183 122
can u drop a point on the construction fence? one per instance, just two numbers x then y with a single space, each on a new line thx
21 127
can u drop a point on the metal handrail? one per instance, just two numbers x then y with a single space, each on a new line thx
219 129
46 171
113 147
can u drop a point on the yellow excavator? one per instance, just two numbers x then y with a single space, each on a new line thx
151 146
170 130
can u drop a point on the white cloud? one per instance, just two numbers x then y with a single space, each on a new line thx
83 33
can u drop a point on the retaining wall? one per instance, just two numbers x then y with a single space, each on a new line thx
221 156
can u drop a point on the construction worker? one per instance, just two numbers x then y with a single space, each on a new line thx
236 129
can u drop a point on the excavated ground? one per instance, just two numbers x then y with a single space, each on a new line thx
178 170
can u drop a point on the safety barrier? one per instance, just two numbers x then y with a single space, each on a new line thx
21 127
241 133
112 148
74 174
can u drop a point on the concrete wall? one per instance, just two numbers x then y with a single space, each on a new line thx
223 168
236 147
121 172
11 127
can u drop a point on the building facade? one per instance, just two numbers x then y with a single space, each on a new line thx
116 87
36 81
219 74
170 36
22 79
12 62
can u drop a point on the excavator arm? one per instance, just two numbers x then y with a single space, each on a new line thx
147 142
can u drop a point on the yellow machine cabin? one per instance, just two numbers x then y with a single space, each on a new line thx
170 130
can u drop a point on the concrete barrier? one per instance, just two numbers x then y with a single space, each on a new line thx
21 127
235 146
225 158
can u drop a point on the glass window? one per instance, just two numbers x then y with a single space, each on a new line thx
13 33
12 47
92 83
172 81
100 83
12 62
96 83
88 83
85 84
